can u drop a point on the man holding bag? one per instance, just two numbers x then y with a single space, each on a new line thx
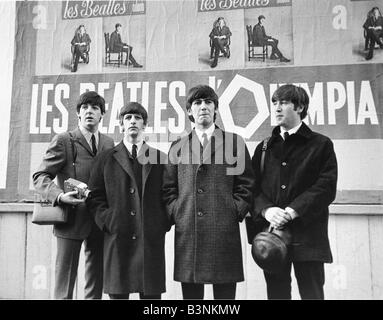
62 161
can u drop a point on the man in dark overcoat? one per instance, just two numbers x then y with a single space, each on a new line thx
61 161
207 189
126 198
294 192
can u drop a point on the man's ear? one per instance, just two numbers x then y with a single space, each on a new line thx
299 109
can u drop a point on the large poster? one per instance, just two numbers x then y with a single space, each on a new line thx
170 47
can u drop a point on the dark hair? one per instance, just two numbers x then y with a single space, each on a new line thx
201 92
261 17
92 98
133 108
216 22
371 12
77 31
296 95
118 25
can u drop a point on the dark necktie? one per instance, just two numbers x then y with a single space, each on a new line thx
94 148
204 140
286 135
134 151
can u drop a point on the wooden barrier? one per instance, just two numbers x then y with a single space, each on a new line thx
27 257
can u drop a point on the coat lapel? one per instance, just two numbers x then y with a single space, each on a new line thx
81 140
101 142
146 150
209 152
121 155
194 148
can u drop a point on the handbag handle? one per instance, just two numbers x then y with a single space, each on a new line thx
264 148
74 153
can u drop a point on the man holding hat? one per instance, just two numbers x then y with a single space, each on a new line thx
294 192
71 155
260 38
126 199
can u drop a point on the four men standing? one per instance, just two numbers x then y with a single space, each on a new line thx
208 185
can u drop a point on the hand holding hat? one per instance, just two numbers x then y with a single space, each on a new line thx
277 217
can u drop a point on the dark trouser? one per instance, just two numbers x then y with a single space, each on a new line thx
219 45
68 253
273 43
220 291
129 57
78 52
310 278
142 296
373 37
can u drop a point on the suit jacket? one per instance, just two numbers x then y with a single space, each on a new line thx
300 173
57 163
372 22
115 43
259 35
207 204
224 31
134 226
79 39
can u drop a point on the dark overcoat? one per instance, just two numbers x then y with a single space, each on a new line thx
206 202
300 173
134 227
58 163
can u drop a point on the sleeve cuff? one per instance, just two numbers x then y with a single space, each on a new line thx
293 214
58 198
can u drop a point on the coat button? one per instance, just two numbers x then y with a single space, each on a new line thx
133 213
284 164
283 187
134 237
200 190
200 214
131 190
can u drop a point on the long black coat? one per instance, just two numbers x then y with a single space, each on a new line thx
134 228
300 173
207 204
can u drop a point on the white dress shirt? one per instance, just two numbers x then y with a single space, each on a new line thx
88 136
291 131
209 132
129 146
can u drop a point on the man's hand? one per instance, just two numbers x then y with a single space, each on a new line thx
70 198
277 217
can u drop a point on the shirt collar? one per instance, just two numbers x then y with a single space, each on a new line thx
88 135
209 132
291 131
129 146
